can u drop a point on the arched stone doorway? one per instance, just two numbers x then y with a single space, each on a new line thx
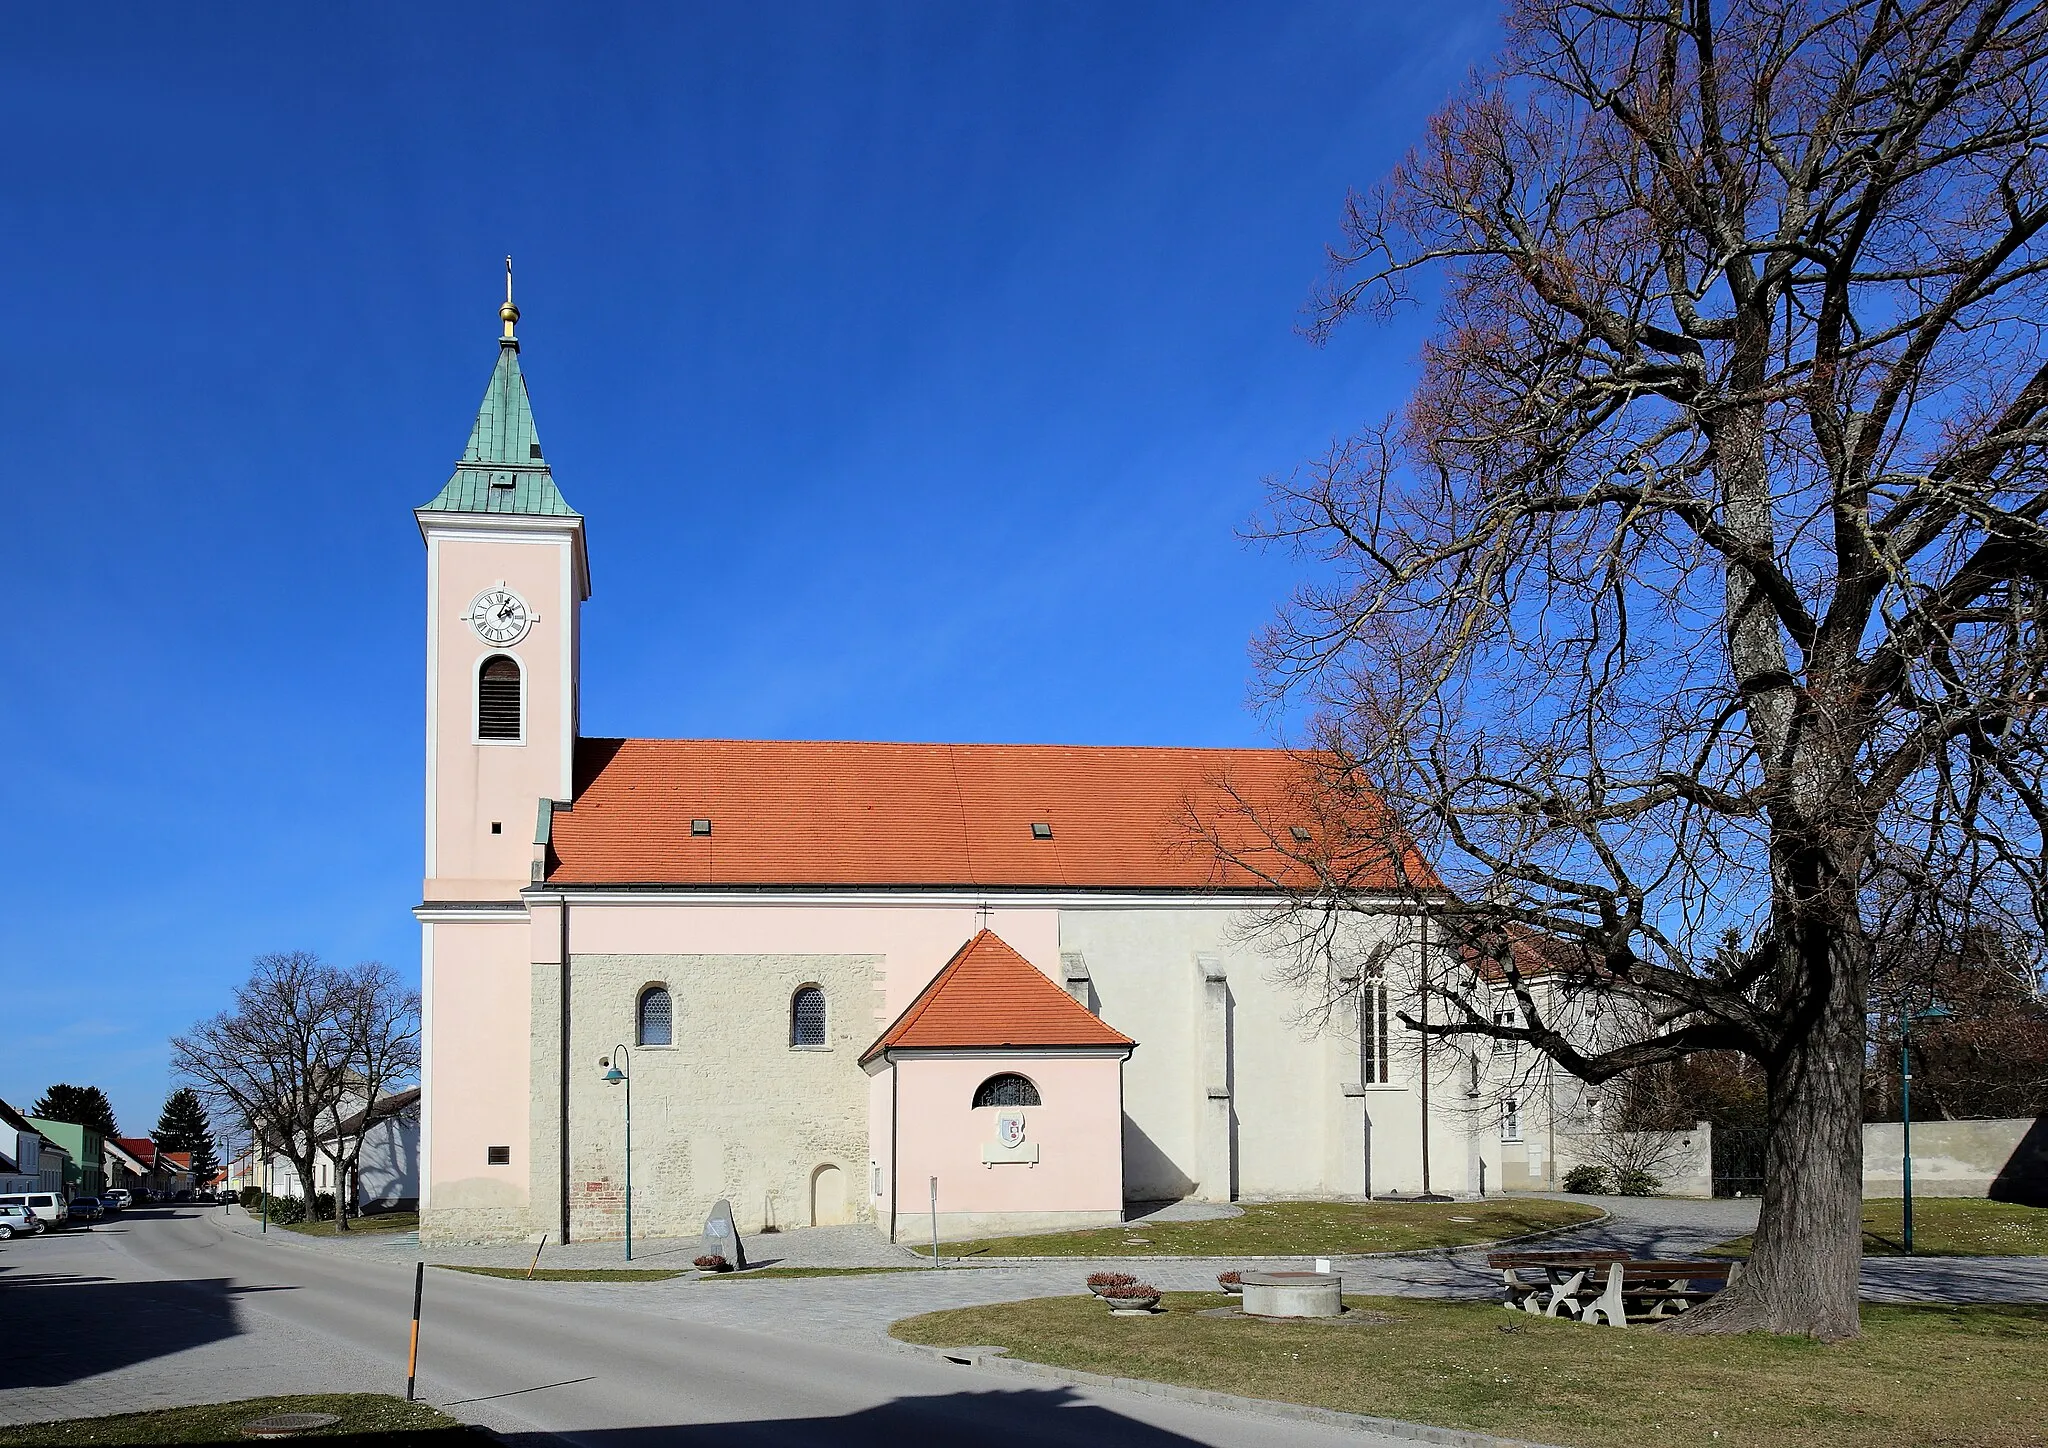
828 1197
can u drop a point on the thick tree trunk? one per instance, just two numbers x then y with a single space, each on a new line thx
1804 1270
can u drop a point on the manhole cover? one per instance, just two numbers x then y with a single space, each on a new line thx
286 1425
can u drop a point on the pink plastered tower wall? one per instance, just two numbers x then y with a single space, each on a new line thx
472 783
475 976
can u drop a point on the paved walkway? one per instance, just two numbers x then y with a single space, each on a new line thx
860 1309
168 1308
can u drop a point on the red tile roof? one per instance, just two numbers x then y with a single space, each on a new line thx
140 1147
989 995
831 814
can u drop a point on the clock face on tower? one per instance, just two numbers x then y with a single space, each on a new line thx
499 616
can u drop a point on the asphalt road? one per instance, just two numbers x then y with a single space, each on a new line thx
168 1307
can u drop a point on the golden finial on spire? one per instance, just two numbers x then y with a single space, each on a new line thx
509 311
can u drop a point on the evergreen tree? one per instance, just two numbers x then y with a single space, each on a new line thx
85 1106
183 1127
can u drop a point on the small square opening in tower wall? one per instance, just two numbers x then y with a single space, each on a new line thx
497 1156
497 827
700 827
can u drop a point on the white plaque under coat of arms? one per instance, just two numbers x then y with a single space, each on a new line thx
1010 1144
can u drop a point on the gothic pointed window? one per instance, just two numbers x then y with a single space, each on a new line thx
497 698
1006 1090
1374 1058
807 1017
657 1018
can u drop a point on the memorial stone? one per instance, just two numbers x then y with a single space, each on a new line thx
721 1237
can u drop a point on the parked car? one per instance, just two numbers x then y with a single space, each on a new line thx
87 1208
19 1222
121 1197
46 1205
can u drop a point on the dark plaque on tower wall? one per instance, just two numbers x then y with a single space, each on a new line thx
721 1237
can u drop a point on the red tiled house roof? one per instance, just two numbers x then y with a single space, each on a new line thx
990 996
787 813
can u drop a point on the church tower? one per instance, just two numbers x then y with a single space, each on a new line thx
506 577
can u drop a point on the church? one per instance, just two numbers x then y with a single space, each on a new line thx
962 989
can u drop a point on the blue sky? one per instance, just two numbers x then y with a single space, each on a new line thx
914 365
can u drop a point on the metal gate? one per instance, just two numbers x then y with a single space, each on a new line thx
1739 1161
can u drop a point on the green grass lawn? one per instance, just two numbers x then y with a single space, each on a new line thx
1283 1229
575 1274
1943 1227
386 1222
1929 1377
371 1420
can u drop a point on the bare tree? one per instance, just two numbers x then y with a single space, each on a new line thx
277 1058
1642 1128
379 1022
1699 584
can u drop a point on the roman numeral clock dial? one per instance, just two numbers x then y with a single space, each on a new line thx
499 616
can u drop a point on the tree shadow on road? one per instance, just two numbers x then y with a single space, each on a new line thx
72 1326
1038 1417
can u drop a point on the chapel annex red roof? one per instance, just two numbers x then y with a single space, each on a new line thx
990 996
801 813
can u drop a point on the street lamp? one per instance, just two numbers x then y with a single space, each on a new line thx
1935 1012
613 1076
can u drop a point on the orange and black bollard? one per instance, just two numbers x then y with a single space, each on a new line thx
412 1358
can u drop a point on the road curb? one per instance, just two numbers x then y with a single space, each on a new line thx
996 1359
1496 1243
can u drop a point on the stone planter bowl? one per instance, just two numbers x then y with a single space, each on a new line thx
1145 1304
1293 1294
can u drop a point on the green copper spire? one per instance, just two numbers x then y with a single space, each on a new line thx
503 469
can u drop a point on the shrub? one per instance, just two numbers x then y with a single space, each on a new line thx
1101 1281
1586 1179
1229 1279
1637 1183
714 1263
287 1211
251 1198
1133 1289
323 1206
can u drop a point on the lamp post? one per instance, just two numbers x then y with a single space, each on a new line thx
613 1076
1935 1012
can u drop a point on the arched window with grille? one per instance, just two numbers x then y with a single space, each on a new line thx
499 714
657 1017
807 1017
1007 1089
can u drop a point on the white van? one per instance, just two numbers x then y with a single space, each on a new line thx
46 1205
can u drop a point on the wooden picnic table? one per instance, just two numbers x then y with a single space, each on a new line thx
1532 1281
1596 1286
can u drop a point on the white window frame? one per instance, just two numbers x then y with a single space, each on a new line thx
1375 1012
825 1001
639 1011
476 700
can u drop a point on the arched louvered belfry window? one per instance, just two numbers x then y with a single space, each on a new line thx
1006 1090
497 698
657 1018
807 1017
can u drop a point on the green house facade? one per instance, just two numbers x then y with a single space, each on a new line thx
85 1174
